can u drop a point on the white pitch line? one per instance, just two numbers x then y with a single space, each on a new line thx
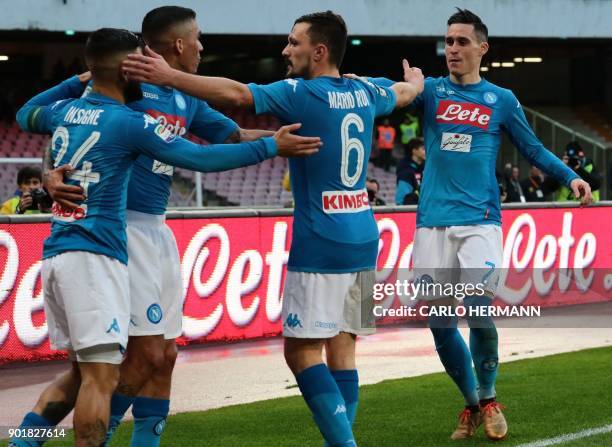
569 437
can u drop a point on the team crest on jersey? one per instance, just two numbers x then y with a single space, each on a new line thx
490 98
154 313
180 101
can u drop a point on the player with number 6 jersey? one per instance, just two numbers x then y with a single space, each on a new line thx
335 236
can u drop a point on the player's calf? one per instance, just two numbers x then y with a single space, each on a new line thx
53 405
319 389
150 409
99 368
144 356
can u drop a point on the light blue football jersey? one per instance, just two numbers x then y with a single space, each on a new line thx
462 126
101 139
334 229
151 180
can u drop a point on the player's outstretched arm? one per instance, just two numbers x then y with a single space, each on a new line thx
406 91
153 69
413 84
525 140
149 138
29 116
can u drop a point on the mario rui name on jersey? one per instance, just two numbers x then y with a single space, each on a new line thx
346 100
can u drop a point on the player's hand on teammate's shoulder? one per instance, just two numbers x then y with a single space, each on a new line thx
149 67
582 191
290 145
65 195
85 77
413 75
354 76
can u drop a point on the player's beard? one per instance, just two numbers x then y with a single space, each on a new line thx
132 91
291 71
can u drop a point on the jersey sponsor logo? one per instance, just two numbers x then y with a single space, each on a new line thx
154 313
162 168
164 133
65 215
456 142
176 124
335 202
465 113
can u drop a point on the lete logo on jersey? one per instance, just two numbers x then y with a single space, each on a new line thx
465 113
176 124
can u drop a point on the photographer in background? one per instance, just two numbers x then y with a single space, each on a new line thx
576 159
532 186
373 187
30 197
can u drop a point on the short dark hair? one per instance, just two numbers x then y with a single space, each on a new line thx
413 144
329 29
373 180
107 42
159 20
28 172
467 17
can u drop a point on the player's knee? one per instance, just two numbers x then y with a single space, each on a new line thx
146 355
101 377
443 335
479 321
170 355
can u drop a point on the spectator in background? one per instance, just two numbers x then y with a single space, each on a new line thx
373 188
532 186
409 173
386 139
30 198
501 183
576 159
513 186
409 129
